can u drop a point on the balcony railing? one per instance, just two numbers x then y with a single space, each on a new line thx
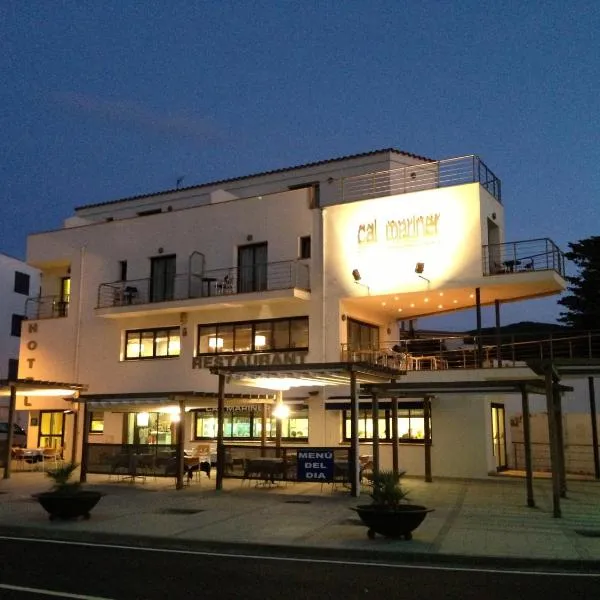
468 352
218 282
47 307
528 255
426 176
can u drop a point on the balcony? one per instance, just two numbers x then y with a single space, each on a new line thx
47 307
524 256
415 178
217 286
468 352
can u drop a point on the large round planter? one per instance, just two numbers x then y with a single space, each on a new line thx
69 506
398 523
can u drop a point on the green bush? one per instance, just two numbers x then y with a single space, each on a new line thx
61 477
387 489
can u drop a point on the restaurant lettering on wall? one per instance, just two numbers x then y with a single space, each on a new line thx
248 360
408 229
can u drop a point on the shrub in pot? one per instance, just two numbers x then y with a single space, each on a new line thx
67 499
390 514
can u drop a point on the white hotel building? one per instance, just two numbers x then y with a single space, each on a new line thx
281 281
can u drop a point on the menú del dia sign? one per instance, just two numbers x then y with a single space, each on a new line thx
315 464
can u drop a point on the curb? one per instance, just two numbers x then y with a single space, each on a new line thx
375 556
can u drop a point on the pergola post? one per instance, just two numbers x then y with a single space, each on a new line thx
263 428
85 443
395 441
527 444
553 438
354 441
180 445
375 420
498 333
278 427
560 441
9 434
592 392
427 436
220 427
478 316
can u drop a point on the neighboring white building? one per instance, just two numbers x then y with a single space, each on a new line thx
321 263
18 282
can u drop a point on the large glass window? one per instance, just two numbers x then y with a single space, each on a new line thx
362 336
96 422
152 343
254 336
411 425
243 424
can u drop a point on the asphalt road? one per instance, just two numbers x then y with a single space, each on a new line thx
34 570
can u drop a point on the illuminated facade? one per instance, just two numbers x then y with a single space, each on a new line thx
323 263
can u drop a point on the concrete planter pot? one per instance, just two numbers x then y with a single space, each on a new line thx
68 505
396 523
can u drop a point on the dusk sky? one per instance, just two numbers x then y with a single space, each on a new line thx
102 100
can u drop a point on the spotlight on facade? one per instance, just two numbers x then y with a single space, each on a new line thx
356 275
419 268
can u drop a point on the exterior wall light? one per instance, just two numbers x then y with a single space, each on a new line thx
281 411
356 275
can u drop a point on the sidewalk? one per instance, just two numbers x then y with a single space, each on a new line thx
472 520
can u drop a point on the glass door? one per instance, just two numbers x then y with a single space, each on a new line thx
162 278
499 436
252 268
52 432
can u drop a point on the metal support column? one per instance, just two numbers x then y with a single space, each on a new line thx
553 438
527 444
354 442
9 434
375 418
85 443
560 441
263 428
395 441
278 427
427 435
478 315
594 427
180 445
220 426
498 333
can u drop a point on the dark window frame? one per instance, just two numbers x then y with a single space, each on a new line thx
253 324
386 435
154 331
255 417
364 330
304 250
22 283
15 325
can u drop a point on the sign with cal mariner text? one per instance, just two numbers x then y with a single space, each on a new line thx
315 464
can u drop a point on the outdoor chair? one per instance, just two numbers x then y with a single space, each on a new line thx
51 455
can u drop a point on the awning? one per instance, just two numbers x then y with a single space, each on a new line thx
38 387
283 377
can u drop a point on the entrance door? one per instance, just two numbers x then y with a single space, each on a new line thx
499 436
162 278
252 268
52 433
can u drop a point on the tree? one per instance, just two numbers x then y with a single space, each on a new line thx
583 300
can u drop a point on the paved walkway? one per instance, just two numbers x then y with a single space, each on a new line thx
480 520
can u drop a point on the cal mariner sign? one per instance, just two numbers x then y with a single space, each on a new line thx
410 229
249 360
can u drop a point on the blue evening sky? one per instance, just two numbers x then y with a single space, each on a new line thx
102 100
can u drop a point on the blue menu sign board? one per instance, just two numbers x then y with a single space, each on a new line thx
315 464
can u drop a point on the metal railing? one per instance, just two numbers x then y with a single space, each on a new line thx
463 352
425 176
525 256
47 307
217 282
579 458
132 460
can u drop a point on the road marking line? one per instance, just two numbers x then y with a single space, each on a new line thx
20 588
302 560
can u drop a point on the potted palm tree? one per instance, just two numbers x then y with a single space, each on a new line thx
390 514
66 499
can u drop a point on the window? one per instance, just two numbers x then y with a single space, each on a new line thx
152 343
13 369
411 425
96 422
252 268
246 423
22 281
15 326
162 278
275 335
122 270
304 247
362 336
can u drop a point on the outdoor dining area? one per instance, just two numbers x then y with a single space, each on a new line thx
36 459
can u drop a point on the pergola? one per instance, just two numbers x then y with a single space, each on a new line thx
282 377
11 388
